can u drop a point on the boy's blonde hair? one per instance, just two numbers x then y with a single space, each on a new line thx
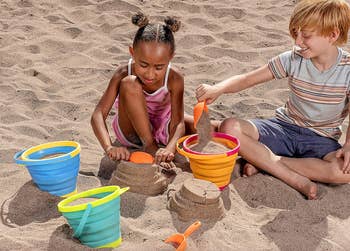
323 16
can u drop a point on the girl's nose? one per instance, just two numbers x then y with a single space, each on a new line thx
150 73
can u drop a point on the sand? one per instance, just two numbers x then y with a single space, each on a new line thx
56 58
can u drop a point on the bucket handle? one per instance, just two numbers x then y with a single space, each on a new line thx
82 222
179 146
17 158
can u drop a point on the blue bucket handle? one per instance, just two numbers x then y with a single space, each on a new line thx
82 222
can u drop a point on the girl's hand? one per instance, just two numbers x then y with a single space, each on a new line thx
209 93
344 152
163 155
118 153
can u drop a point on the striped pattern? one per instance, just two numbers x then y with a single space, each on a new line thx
318 100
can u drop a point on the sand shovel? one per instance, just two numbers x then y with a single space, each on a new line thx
139 157
179 240
197 112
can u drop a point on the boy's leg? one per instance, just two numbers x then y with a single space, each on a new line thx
327 170
262 157
133 117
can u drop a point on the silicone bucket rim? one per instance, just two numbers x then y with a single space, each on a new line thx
219 135
37 148
116 191
195 155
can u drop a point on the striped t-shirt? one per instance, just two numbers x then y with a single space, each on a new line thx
317 100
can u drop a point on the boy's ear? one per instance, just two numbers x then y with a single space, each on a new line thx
131 51
334 35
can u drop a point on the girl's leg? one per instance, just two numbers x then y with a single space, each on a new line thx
133 117
262 157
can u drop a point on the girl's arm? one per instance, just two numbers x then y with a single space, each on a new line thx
99 116
233 84
177 125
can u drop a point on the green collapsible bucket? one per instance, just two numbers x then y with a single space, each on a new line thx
97 223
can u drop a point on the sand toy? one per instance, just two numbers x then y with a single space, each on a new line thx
216 168
179 240
141 158
53 166
96 223
198 111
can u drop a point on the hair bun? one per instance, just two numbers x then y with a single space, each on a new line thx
172 23
140 19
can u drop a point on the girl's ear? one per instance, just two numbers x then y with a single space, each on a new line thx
131 51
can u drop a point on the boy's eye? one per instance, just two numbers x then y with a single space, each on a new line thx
158 68
143 65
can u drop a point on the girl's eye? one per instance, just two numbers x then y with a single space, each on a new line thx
158 68
143 65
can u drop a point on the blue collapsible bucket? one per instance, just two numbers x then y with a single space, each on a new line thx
53 166
96 224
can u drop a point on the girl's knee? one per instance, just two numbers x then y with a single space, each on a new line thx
129 86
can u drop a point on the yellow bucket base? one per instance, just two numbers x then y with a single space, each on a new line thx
113 244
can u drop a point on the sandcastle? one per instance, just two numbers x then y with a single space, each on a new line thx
148 179
196 199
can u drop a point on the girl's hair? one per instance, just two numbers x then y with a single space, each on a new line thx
155 32
323 16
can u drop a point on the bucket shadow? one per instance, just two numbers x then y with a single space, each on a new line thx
29 204
303 224
62 239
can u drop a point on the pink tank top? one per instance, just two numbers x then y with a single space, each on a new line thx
158 105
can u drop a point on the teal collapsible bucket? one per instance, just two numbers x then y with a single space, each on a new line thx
54 166
96 224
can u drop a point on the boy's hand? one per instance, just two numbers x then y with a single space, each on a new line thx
209 93
118 153
163 155
344 152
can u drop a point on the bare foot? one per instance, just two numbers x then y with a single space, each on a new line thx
307 187
249 170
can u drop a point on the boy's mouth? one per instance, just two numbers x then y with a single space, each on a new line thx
299 49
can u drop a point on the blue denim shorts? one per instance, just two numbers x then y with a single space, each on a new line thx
290 140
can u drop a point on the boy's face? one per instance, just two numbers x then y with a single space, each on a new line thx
312 44
151 62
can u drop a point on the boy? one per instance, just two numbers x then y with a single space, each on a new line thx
301 143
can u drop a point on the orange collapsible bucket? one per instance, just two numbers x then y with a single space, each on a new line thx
216 168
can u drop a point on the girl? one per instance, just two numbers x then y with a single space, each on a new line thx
147 94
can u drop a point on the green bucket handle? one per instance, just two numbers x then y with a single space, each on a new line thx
82 222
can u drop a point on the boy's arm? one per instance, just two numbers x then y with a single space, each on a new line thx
233 84
344 152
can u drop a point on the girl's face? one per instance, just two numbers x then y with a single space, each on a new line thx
312 44
151 62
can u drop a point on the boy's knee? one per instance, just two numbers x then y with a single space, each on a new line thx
230 126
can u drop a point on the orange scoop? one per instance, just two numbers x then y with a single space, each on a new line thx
197 112
179 240
141 158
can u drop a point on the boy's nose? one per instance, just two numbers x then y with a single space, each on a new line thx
298 39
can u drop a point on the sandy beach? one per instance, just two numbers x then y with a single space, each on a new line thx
56 58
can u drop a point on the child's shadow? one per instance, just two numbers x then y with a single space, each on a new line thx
29 204
304 224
